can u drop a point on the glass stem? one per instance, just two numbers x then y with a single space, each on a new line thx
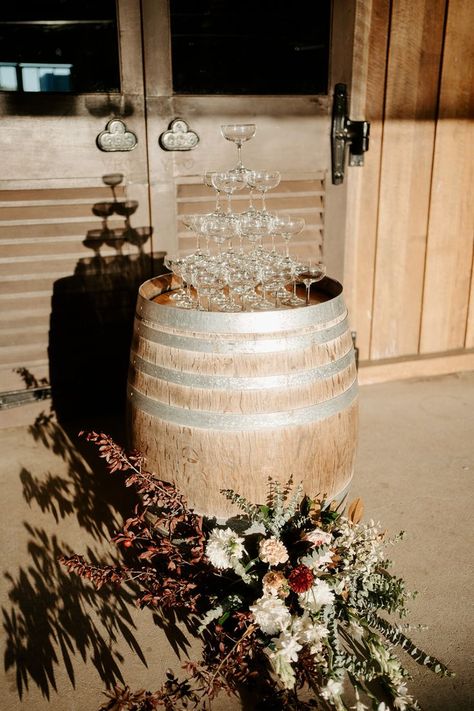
239 152
251 207
229 203
308 287
264 207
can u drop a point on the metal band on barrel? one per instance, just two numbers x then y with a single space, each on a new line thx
240 322
223 382
235 346
203 419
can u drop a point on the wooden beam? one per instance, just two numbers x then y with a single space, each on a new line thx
420 367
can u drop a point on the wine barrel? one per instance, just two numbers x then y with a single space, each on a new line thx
226 400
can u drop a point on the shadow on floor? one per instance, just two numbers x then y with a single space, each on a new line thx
53 616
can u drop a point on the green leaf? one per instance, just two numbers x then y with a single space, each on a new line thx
223 617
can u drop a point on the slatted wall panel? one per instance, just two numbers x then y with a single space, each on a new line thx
41 235
449 256
409 258
302 197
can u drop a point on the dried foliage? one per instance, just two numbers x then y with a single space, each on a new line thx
289 602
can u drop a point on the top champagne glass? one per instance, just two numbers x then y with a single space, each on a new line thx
238 133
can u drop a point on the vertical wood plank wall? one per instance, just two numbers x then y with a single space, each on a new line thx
410 224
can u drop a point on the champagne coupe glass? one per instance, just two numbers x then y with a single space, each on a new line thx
195 223
288 226
228 183
209 184
262 181
310 272
178 265
265 276
200 280
282 277
172 262
254 228
238 133
221 229
297 264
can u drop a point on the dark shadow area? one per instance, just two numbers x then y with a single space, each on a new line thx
97 499
92 317
55 620
55 616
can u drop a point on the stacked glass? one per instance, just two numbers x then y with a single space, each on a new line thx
243 271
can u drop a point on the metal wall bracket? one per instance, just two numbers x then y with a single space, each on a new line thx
344 132
116 137
178 137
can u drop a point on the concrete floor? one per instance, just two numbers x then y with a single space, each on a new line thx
61 640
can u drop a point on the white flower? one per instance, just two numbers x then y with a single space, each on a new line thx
318 561
272 551
318 595
287 645
310 633
286 651
318 537
271 614
224 548
332 690
383 707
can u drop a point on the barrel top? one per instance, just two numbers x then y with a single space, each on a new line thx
240 322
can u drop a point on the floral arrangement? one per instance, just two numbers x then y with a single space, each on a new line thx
291 599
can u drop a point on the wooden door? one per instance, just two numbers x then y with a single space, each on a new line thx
52 176
292 129
409 258
52 173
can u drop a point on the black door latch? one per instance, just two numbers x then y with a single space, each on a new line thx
344 132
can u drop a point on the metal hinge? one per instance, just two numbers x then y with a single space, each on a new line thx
344 132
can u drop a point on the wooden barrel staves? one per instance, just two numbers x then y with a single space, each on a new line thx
225 400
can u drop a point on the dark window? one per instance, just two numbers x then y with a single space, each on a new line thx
250 46
59 46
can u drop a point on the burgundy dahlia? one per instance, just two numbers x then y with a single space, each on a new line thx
300 579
